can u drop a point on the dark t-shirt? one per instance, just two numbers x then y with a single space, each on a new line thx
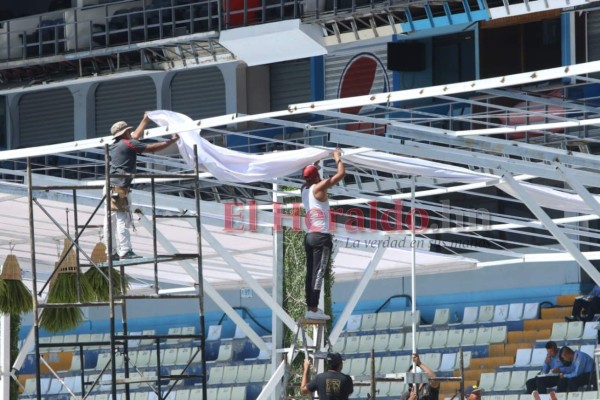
426 392
331 385
123 158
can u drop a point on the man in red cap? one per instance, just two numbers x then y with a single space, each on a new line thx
318 242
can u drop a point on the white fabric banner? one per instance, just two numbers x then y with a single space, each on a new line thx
235 166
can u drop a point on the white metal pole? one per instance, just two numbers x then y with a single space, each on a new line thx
5 366
413 270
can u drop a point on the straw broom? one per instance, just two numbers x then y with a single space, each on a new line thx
98 277
63 289
15 298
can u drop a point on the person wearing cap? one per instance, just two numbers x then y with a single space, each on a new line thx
549 375
123 154
473 392
586 307
422 391
318 242
331 384
578 371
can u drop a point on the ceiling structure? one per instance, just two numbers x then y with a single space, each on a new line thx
538 127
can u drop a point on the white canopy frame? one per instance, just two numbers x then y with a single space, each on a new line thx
548 156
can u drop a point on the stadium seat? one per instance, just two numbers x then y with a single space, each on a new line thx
470 315
388 365
243 373
225 353
500 313
501 381
238 393
403 362
195 393
448 362
183 356
357 366
366 343
589 395
214 332
487 380
440 337
469 337
397 319
441 317
215 375
169 357
258 372
383 388
408 318
396 389
184 394
499 334
432 360
408 340
224 393
559 331
538 355
173 331
353 323
425 340
147 342
230 373
367 322
486 313
574 330
396 342
143 358
484 335
381 342
522 358
212 393
454 337
339 345
352 344
588 349
531 311
517 380
515 312
590 331
383 321
239 333
575 396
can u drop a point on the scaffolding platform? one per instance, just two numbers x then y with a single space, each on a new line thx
146 260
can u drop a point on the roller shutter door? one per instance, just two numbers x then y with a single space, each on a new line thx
593 30
290 84
46 117
123 100
199 93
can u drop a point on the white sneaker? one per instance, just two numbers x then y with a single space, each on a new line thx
319 314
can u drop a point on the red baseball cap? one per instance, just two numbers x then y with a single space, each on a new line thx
310 173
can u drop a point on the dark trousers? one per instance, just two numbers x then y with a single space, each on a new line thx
318 251
541 383
573 384
585 309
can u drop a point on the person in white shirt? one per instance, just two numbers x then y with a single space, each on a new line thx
318 241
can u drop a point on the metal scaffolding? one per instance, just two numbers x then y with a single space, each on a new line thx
119 340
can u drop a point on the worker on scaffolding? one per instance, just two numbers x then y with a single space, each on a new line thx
123 154
318 242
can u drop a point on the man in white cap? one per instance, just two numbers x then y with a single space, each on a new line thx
123 158
318 241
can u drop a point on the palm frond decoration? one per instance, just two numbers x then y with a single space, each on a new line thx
15 297
63 289
98 277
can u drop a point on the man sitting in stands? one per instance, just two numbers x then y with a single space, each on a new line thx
585 307
552 365
578 372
